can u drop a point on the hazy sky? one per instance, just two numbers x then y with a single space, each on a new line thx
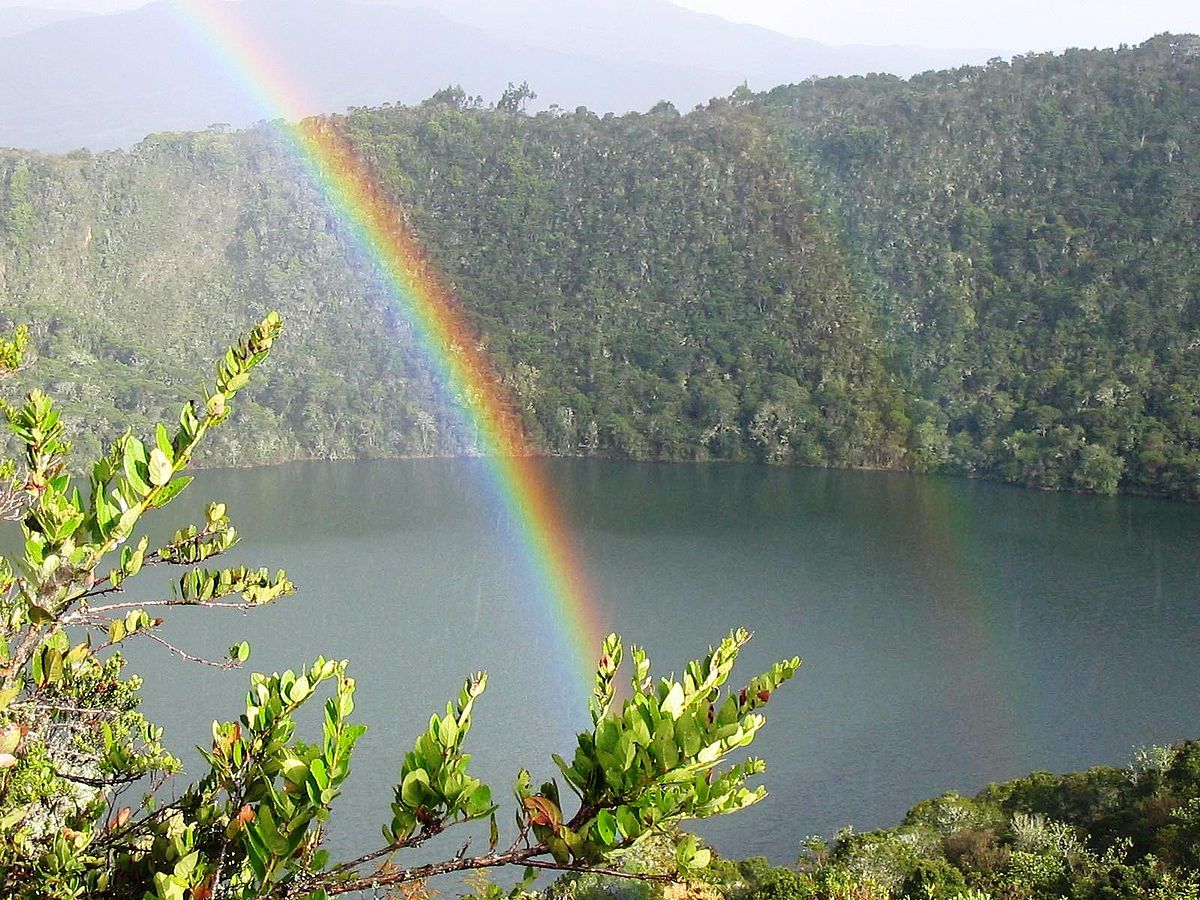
1013 26
1008 26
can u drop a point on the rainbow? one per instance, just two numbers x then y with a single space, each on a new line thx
946 528
376 224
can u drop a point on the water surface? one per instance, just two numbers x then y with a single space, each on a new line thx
953 632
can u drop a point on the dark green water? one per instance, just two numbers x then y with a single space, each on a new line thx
953 633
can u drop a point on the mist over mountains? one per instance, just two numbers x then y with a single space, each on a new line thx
16 20
109 80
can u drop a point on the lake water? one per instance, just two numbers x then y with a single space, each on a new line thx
953 632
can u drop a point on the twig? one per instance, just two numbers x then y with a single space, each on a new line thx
78 618
55 707
615 873
420 873
183 654
100 782
522 857
112 838
416 840
88 594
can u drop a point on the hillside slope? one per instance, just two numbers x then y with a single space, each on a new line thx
992 271
649 286
1030 235
1097 835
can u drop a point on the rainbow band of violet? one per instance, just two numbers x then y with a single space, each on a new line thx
376 224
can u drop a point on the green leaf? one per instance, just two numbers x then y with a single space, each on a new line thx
672 704
134 460
528 876
168 887
318 774
188 423
415 788
300 690
128 520
187 865
480 801
606 828
685 851
558 849
628 822
163 441
237 382
39 615
215 406
160 468
172 490
13 817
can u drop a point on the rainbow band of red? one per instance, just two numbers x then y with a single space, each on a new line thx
376 223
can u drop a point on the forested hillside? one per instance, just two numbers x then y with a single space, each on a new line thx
650 286
1106 833
129 268
1029 234
991 270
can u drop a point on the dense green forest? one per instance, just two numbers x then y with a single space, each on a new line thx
1029 235
991 271
1109 833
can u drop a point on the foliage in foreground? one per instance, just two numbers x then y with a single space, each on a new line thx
73 744
1105 834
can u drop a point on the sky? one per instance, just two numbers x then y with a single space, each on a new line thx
1007 26
1011 26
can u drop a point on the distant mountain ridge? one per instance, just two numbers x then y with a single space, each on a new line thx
652 32
116 78
16 20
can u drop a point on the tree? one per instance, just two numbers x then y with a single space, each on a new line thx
72 740
12 350
515 98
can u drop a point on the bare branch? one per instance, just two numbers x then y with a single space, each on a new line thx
415 840
514 857
13 503
182 654
94 592
60 708
80 617
421 873
615 873
100 782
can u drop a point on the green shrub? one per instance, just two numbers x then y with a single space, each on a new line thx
72 739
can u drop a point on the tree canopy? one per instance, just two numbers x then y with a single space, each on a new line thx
987 270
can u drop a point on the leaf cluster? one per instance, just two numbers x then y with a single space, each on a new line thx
72 741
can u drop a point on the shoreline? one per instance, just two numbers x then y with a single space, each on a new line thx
891 470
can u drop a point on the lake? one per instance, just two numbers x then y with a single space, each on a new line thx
953 632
